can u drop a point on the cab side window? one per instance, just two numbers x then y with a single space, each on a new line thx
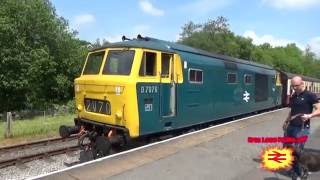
148 64
165 64
195 76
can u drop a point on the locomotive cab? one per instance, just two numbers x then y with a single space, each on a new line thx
104 91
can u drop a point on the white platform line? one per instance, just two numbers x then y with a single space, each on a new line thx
149 145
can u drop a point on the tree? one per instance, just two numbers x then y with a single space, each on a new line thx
188 29
215 36
40 56
98 43
214 26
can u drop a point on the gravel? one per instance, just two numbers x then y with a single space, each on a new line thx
36 150
42 166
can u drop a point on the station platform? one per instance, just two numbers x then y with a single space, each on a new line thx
221 152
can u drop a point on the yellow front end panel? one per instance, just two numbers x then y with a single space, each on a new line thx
118 90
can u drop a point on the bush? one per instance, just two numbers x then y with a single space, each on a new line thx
64 108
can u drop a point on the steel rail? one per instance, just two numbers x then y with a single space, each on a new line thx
41 155
44 142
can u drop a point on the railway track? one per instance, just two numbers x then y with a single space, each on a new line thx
10 160
22 153
35 144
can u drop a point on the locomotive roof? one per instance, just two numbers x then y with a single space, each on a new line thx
156 44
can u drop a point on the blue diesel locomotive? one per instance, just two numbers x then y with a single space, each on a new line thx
144 87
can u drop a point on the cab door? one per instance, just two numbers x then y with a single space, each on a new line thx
148 92
156 91
167 89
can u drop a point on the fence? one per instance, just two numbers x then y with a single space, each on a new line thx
32 113
35 122
9 125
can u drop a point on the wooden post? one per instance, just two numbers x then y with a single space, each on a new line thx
9 125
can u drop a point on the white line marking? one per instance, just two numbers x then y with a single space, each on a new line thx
149 145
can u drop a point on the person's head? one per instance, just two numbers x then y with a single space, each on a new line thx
297 84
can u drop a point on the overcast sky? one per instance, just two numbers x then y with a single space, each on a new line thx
275 21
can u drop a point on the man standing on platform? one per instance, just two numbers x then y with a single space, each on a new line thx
297 123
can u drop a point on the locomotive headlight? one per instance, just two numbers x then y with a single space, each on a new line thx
119 115
77 88
79 108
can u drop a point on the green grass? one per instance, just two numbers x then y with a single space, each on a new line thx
37 126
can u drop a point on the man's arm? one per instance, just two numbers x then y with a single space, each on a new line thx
313 114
